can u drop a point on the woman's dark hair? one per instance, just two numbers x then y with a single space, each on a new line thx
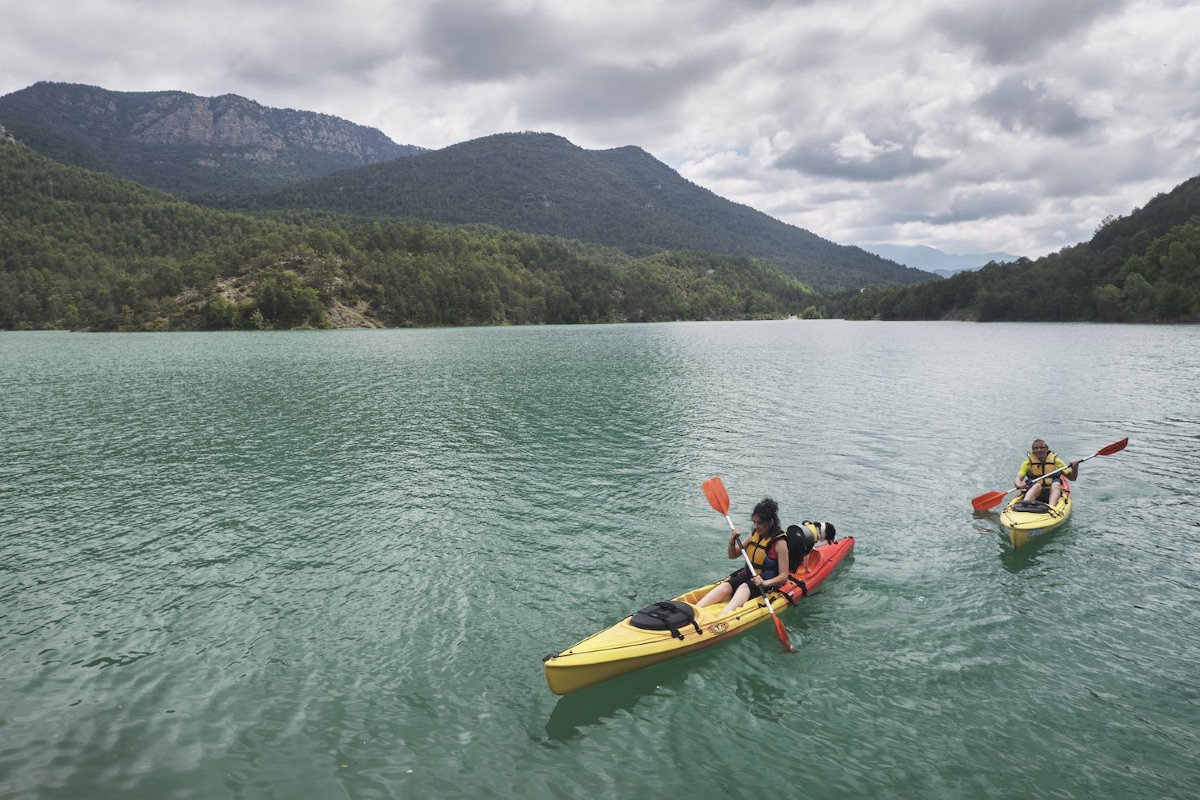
768 509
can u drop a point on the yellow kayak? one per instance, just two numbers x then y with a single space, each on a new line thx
677 627
1026 521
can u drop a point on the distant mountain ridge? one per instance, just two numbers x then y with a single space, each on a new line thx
189 145
234 153
936 261
624 197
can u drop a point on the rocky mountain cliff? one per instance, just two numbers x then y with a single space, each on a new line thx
189 145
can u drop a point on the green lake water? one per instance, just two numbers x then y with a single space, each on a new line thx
328 564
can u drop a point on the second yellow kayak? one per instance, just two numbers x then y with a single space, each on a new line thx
1025 521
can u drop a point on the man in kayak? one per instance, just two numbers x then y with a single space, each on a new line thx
1039 462
768 551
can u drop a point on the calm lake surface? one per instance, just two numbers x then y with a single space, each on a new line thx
328 564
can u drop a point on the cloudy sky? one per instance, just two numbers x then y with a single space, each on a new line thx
967 126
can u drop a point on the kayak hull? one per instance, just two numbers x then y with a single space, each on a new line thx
624 648
1025 526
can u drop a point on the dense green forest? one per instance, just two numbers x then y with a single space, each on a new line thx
1141 268
83 250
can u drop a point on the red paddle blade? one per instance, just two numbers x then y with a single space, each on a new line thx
718 498
782 636
989 500
1115 447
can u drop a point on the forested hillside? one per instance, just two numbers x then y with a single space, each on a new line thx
82 250
1141 268
220 149
512 228
623 198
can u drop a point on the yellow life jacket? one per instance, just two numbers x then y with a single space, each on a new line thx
1039 468
762 554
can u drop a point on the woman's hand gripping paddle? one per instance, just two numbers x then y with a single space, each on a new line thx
993 499
718 498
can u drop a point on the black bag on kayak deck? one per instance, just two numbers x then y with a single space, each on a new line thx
668 615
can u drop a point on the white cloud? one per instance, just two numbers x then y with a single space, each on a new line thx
968 127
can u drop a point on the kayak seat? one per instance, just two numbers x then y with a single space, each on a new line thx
669 615
813 561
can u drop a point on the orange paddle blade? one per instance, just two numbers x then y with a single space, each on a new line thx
989 500
718 498
1115 447
781 634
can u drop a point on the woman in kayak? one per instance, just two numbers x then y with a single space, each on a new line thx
1039 462
768 551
